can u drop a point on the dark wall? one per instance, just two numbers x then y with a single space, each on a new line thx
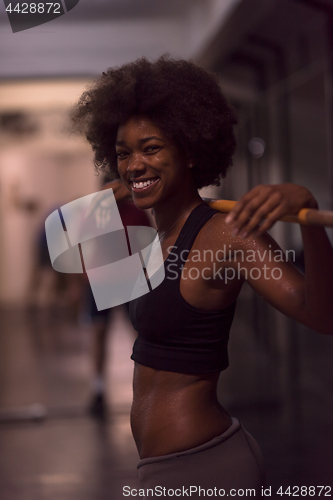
274 58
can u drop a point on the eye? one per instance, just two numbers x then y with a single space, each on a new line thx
121 153
152 148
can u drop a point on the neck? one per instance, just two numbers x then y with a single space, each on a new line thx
172 211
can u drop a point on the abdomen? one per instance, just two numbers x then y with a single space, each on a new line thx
174 412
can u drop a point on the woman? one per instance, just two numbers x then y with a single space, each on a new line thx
166 130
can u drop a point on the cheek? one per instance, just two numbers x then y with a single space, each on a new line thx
174 162
121 167
179 170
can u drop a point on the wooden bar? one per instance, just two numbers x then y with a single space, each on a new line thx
307 216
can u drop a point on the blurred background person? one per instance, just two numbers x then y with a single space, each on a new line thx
101 320
274 61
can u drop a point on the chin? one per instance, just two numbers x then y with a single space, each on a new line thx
142 203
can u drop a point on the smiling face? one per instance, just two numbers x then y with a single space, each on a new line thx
150 164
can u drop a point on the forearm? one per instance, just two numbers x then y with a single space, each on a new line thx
318 291
121 193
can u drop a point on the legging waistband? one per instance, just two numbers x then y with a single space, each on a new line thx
235 427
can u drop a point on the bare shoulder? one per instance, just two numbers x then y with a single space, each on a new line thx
216 228
217 237
217 232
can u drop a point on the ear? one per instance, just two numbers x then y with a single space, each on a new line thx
190 163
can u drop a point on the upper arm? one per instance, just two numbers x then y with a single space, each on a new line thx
273 275
268 270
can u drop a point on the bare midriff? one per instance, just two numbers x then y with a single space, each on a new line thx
173 412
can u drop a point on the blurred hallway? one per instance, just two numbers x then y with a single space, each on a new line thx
274 59
69 455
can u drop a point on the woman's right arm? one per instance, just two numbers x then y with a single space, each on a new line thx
103 202
120 192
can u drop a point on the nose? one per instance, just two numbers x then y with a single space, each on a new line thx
136 164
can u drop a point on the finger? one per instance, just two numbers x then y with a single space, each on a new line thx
98 198
270 220
241 203
236 210
112 184
262 212
97 215
95 203
107 217
249 210
103 217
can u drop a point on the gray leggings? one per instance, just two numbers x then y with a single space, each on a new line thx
225 465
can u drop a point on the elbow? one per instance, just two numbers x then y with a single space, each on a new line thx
328 330
319 321
323 325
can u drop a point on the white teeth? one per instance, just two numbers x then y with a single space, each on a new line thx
140 185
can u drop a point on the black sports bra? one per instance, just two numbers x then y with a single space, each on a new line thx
172 334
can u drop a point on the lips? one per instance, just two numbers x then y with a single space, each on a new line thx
144 184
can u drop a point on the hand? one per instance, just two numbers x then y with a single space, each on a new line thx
121 193
103 202
266 204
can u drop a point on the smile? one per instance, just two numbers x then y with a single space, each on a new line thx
142 185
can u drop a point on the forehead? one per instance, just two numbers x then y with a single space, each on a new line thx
138 127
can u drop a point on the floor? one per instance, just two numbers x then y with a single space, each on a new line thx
52 450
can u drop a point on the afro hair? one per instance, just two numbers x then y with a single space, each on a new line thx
179 97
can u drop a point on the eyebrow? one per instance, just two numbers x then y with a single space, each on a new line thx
142 141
